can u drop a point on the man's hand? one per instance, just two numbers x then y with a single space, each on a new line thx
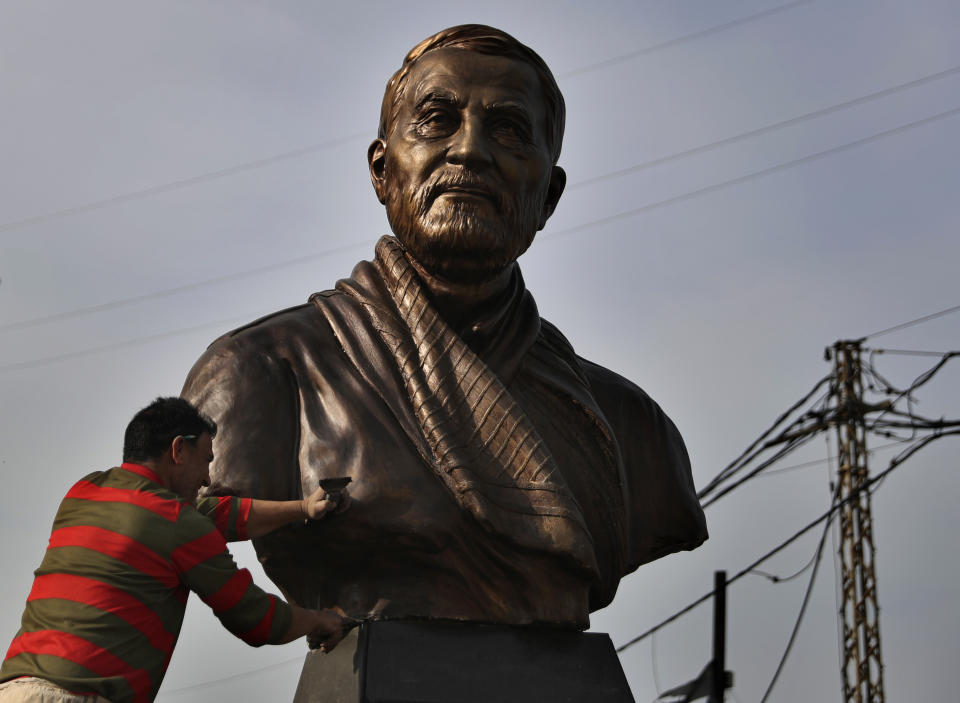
319 503
268 515
324 628
329 628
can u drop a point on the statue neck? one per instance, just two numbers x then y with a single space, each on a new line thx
462 304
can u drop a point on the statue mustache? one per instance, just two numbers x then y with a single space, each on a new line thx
449 181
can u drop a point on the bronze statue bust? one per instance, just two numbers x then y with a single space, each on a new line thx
497 476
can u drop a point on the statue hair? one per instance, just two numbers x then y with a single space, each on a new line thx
485 40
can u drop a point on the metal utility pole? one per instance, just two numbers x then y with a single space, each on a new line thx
862 666
718 680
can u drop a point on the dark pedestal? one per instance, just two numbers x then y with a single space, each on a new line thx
414 662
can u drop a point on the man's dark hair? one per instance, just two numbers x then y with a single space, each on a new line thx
485 40
154 428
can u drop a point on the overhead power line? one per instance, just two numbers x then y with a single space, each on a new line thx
761 173
548 235
818 556
686 38
911 323
782 452
774 578
766 129
750 451
825 460
136 341
313 148
602 221
905 352
181 183
124 302
819 417
867 485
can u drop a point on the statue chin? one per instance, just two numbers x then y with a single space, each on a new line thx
473 252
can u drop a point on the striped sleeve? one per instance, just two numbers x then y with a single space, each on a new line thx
206 567
229 513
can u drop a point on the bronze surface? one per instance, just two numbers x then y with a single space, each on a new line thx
497 476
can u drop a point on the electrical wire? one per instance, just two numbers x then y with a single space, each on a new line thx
919 381
911 323
685 39
905 352
762 173
789 448
766 129
112 305
725 472
322 146
606 220
826 460
181 183
782 452
134 342
547 235
803 608
774 578
835 507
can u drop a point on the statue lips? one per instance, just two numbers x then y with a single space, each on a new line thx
465 189
460 191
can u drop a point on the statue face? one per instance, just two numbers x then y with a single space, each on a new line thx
465 171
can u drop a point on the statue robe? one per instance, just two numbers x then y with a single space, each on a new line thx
497 476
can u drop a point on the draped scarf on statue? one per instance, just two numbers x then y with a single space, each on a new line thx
457 409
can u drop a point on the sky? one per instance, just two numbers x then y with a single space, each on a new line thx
748 182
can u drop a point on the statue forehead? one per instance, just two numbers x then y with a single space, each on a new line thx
454 70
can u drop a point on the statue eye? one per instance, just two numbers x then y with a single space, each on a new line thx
436 122
510 130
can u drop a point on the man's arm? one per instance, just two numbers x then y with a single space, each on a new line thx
268 515
205 566
240 519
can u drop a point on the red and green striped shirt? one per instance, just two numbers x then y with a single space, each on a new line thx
108 599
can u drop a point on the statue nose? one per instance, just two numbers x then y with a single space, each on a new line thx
469 146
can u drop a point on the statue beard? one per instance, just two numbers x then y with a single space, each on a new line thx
460 240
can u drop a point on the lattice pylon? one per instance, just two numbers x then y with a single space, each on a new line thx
862 665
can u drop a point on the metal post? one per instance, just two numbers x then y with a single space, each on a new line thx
718 677
862 666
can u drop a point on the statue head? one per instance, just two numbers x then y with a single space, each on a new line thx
465 159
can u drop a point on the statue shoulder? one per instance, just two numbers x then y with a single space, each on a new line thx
271 333
260 354
248 382
665 515
617 396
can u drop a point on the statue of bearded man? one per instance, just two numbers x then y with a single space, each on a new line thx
497 476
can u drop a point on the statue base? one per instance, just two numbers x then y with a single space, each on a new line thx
426 662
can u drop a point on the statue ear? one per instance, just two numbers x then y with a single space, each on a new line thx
376 159
558 180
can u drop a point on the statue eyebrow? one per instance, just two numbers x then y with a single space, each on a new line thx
514 108
437 96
